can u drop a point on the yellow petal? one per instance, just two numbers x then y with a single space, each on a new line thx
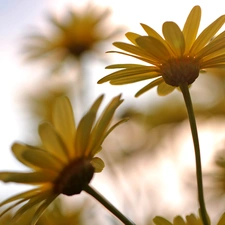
31 203
134 78
158 220
27 178
18 149
207 34
191 26
98 164
64 122
149 86
215 47
84 128
174 37
24 195
101 126
132 37
126 73
52 142
222 220
42 208
121 66
37 158
154 48
178 220
134 50
164 89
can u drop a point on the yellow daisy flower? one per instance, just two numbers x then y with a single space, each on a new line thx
66 163
77 32
175 59
190 220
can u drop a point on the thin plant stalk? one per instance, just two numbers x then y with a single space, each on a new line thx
188 102
90 190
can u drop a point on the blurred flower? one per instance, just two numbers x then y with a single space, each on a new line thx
78 32
39 99
190 220
66 164
175 59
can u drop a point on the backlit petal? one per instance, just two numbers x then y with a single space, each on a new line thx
174 37
207 34
63 120
85 127
154 48
149 86
164 89
101 126
28 178
98 164
132 37
52 142
37 158
191 26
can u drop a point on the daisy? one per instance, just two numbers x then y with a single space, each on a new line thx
77 32
66 163
190 220
172 60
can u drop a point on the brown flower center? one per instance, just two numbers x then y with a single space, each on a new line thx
74 177
180 70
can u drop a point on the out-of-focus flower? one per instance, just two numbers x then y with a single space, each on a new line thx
175 59
178 220
67 162
190 220
78 32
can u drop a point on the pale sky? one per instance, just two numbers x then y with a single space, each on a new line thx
17 15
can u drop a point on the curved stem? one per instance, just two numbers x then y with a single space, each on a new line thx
90 190
187 98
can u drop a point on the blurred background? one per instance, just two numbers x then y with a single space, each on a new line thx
57 47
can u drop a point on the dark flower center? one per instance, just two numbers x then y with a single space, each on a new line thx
74 177
180 70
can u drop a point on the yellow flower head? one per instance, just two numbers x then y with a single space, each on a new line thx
77 32
66 163
190 220
175 59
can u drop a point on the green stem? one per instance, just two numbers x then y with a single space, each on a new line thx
187 98
90 190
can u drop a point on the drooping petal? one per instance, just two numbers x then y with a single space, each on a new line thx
98 164
84 128
213 62
23 195
123 66
28 178
31 203
41 209
164 89
191 26
102 124
52 142
154 48
64 121
207 34
174 37
149 86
